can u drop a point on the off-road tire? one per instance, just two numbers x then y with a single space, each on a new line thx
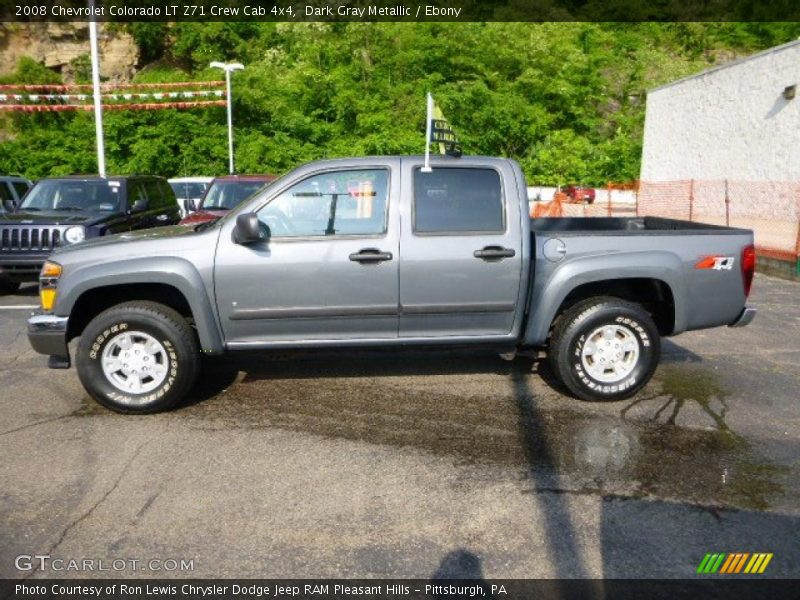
167 327
579 321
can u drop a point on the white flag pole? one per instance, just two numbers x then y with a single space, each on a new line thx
429 111
98 105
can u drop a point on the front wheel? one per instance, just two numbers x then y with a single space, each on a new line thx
604 349
138 357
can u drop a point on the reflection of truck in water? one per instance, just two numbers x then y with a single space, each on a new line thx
373 252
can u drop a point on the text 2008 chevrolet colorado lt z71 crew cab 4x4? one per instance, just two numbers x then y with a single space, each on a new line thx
379 252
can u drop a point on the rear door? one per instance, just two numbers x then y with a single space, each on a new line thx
162 209
136 191
461 254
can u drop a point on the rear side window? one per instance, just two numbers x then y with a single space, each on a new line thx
155 194
166 191
458 200
136 192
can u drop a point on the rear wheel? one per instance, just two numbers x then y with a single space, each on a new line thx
604 349
138 357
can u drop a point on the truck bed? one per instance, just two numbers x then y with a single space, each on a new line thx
666 253
626 225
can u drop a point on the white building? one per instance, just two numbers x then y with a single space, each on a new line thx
723 147
737 121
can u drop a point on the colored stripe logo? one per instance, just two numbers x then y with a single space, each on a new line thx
733 563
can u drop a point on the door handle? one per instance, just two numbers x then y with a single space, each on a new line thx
162 217
370 255
494 253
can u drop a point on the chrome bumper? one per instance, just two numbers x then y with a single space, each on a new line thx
48 334
747 315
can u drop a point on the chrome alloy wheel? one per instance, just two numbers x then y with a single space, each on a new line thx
610 353
135 362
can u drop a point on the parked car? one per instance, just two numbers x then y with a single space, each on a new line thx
12 190
62 211
579 194
189 191
376 252
224 194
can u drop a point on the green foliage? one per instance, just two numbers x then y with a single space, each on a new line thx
31 72
565 99
82 68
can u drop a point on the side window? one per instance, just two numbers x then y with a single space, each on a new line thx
167 192
333 203
21 187
458 200
6 198
135 192
5 193
154 194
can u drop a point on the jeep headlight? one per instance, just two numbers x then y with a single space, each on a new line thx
76 234
48 282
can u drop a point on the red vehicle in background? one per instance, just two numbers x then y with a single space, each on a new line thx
226 193
578 194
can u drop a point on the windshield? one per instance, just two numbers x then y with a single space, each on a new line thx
184 190
83 196
225 195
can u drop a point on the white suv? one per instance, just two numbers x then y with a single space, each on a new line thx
189 191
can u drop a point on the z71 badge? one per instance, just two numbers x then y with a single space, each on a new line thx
718 263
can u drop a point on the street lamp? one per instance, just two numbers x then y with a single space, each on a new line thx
229 68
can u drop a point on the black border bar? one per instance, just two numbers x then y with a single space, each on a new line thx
400 10
722 587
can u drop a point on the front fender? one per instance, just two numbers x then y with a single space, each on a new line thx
552 287
176 272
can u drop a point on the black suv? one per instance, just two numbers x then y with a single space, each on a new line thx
60 211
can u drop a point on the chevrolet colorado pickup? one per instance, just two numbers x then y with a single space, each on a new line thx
383 252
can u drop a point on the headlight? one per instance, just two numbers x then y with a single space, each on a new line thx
48 280
73 235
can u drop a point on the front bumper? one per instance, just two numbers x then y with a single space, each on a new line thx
744 318
48 334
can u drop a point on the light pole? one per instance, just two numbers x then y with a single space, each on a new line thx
229 68
98 104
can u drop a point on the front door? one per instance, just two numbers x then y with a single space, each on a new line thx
330 268
461 257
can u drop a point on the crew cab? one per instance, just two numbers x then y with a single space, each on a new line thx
381 251
61 211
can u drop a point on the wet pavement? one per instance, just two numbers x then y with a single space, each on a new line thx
388 464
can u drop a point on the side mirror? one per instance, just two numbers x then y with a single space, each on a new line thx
190 205
140 205
249 230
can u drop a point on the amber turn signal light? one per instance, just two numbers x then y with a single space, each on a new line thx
50 269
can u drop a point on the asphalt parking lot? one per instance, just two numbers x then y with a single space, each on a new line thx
414 465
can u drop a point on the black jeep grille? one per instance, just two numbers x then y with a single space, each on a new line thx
30 239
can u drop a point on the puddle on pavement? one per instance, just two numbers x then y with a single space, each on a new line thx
481 414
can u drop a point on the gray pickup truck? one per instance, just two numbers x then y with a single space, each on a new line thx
371 252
